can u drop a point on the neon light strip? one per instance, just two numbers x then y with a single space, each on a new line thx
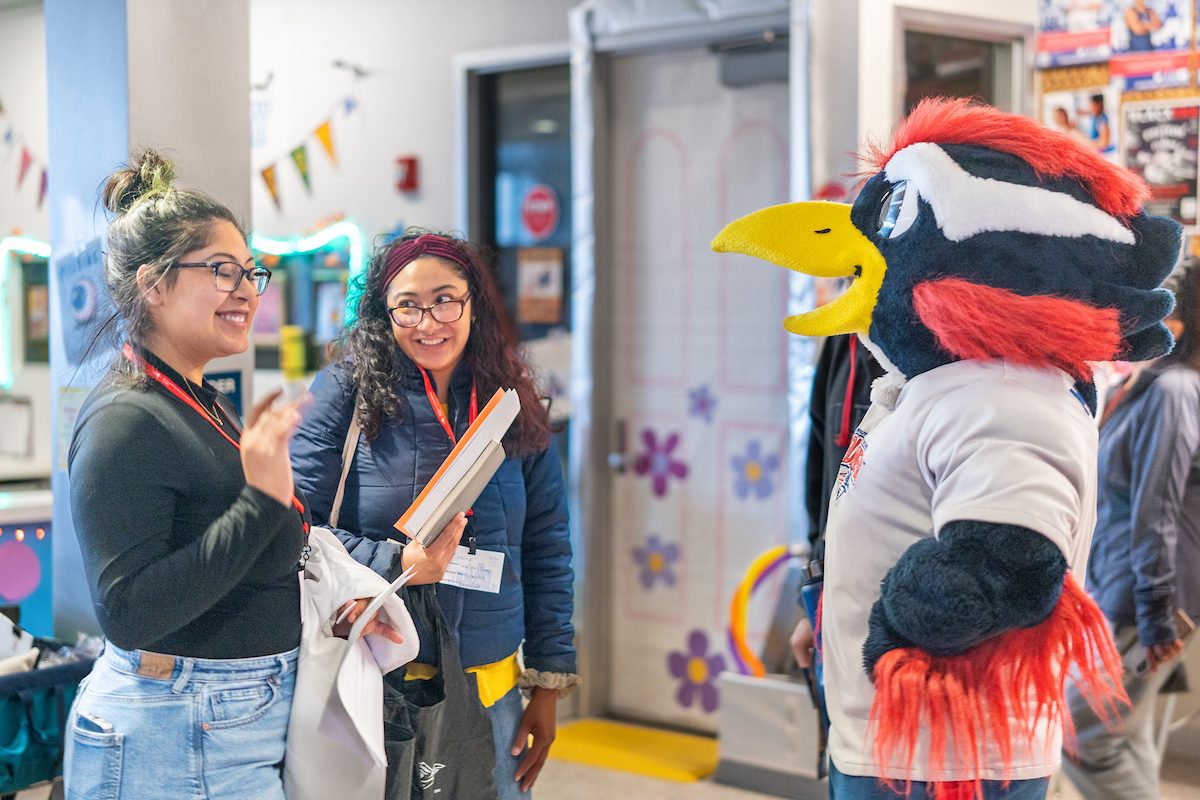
9 245
307 244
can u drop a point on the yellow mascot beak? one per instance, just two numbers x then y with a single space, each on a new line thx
816 239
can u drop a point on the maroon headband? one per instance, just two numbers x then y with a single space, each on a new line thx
427 244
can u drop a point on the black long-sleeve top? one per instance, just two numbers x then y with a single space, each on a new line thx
181 556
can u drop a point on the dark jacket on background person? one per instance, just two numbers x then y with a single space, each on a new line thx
522 513
181 556
1145 558
844 374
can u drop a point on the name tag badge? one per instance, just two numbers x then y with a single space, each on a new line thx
479 573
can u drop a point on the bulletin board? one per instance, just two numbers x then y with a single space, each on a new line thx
1125 81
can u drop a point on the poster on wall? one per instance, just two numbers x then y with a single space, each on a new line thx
1151 44
272 310
550 358
331 311
70 401
16 427
539 285
83 299
230 385
1158 141
37 323
1088 114
1074 32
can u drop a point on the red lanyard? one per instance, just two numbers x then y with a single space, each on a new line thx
436 405
843 437
472 413
171 386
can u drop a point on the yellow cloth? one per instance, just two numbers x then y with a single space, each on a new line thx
495 680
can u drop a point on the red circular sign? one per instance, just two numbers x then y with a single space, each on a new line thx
539 212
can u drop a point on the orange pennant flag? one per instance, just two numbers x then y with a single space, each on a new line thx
268 176
324 134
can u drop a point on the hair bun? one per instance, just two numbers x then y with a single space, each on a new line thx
147 174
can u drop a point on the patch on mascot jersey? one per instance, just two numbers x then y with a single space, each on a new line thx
852 462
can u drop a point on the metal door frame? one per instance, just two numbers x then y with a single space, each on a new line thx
1019 37
467 67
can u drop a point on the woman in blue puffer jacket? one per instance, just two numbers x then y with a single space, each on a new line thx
427 349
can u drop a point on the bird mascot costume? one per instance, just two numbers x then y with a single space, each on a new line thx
992 260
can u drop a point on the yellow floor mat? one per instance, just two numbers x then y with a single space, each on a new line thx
635 748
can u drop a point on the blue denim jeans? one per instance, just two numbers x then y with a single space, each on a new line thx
151 726
850 787
505 714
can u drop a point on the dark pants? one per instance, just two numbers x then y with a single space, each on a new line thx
849 787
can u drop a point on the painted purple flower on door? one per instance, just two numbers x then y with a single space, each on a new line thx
656 561
697 669
658 461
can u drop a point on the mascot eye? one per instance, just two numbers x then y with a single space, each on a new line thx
897 210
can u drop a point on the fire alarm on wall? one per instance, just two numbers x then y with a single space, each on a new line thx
407 174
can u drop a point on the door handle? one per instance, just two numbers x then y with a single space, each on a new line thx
617 461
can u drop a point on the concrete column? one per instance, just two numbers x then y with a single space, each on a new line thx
124 75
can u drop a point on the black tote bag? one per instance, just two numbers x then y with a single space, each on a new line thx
437 735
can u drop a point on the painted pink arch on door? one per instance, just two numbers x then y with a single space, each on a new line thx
776 380
628 254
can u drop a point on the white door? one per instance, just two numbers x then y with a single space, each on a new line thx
700 376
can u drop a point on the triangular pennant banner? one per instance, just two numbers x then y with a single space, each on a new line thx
325 137
26 160
43 187
300 159
268 176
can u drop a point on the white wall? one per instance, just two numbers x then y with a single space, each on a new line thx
23 93
877 111
405 102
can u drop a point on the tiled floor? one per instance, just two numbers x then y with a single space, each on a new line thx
561 780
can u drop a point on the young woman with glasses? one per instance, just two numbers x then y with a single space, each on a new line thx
428 348
189 525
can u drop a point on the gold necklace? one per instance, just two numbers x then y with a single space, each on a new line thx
212 412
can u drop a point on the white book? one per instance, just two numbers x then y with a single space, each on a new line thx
460 467
463 494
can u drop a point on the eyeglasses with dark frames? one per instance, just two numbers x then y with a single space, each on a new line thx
445 311
228 275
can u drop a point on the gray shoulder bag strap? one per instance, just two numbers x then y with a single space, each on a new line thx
347 456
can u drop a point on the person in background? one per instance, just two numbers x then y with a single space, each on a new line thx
1141 22
1064 123
1145 557
427 349
189 526
841 395
1100 132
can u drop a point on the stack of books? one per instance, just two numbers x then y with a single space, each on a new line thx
460 479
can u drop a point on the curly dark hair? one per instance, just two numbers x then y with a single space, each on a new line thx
378 365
